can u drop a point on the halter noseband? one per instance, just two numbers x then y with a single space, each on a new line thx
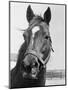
39 56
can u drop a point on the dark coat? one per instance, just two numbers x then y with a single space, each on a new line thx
16 79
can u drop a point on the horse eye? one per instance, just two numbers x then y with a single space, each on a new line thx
46 37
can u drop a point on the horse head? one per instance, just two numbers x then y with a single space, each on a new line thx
39 44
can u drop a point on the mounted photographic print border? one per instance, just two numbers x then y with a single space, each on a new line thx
18 22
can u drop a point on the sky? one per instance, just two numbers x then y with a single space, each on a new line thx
57 30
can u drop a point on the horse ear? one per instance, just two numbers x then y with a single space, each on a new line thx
29 14
47 16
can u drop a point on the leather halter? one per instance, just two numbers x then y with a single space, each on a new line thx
39 56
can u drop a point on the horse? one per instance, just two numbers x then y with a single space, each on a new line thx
34 53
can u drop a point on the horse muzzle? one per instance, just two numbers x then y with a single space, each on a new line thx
30 66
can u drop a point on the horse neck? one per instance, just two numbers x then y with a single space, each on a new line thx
21 55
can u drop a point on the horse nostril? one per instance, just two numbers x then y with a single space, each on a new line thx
28 69
35 64
25 68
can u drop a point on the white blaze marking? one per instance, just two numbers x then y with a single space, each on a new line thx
34 30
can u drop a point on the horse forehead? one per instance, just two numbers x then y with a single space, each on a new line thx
38 25
42 27
35 29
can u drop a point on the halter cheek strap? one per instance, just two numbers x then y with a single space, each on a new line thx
39 56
